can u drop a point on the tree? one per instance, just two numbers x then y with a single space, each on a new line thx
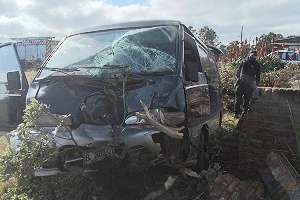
209 36
265 41
223 48
193 30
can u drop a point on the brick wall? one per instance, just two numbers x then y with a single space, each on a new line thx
268 127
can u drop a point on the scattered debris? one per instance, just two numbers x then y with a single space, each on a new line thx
170 131
228 187
167 185
280 178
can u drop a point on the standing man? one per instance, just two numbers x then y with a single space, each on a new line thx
248 77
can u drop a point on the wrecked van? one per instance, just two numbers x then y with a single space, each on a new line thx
147 88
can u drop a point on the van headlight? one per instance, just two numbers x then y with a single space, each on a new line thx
134 118
163 116
51 132
62 132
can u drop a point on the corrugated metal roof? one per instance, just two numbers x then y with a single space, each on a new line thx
293 39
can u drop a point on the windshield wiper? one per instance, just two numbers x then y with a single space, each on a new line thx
57 69
149 73
107 66
65 71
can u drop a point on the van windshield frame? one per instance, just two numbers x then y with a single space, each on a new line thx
142 50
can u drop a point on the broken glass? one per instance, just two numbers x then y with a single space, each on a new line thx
143 50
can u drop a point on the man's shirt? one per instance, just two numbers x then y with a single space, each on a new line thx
249 70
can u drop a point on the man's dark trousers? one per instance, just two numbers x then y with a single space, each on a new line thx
244 90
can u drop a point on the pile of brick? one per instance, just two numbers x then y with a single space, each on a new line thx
228 187
280 178
268 127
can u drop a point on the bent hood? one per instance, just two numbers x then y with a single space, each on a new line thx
66 96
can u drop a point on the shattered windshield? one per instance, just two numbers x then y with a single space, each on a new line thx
142 50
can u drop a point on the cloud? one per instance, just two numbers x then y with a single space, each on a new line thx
60 17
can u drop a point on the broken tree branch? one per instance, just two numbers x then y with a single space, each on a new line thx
170 131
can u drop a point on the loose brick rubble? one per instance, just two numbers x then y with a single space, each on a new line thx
228 187
280 178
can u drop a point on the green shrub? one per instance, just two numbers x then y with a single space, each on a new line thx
235 63
273 75
286 77
17 168
227 75
271 63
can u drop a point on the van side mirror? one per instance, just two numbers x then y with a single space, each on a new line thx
13 81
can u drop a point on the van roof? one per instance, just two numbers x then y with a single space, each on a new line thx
134 24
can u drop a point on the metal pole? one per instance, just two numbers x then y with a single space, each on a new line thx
242 33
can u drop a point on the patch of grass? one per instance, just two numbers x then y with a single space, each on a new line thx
228 127
3 145
226 132
229 119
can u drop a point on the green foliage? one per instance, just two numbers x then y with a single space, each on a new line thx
228 129
235 63
266 40
274 74
283 78
17 168
223 48
271 63
216 142
209 36
3 144
214 170
227 75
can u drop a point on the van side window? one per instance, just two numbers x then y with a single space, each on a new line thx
211 71
191 59
208 65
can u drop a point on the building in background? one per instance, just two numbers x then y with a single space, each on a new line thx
288 49
33 51
291 43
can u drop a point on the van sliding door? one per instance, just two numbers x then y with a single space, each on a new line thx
196 85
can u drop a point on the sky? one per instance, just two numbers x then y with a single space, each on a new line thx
22 18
